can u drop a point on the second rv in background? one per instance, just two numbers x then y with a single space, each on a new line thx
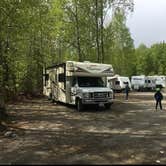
118 83
137 83
146 83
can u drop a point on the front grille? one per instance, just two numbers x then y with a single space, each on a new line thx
100 95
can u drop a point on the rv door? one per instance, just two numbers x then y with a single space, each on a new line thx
74 87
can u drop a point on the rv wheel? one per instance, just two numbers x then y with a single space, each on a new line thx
107 106
50 96
79 105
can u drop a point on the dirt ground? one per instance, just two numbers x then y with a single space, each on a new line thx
131 132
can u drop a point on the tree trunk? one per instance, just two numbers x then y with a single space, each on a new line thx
2 91
102 32
2 100
97 32
78 34
60 51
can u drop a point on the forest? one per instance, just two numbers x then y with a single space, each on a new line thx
35 34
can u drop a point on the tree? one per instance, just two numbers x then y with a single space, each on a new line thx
150 61
36 34
121 53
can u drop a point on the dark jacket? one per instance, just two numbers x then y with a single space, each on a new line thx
127 88
158 96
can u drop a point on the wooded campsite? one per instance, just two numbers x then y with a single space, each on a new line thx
36 34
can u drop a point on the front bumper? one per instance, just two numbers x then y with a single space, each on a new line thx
97 101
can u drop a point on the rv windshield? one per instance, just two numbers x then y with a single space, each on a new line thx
90 82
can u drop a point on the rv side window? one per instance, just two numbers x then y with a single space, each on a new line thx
149 81
117 83
61 77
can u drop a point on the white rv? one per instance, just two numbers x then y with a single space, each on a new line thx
79 83
118 83
150 83
160 81
138 82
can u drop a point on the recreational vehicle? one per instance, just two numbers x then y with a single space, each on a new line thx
160 81
150 83
138 82
118 83
79 83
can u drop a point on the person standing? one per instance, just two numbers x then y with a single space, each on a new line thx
127 89
158 97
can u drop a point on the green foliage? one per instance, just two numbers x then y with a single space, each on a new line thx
121 48
24 41
151 60
35 34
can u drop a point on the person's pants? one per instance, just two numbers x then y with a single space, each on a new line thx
127 95
158 102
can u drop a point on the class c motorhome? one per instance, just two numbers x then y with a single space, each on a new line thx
118 83
79 83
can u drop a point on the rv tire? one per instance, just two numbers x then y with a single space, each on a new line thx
79 105
107 106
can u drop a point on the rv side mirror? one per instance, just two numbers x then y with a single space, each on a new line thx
76 85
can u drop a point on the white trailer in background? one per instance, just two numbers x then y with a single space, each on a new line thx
138 82
118 83
150 83
160 81
143 82
79 83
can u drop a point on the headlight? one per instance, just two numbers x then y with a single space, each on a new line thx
110 94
